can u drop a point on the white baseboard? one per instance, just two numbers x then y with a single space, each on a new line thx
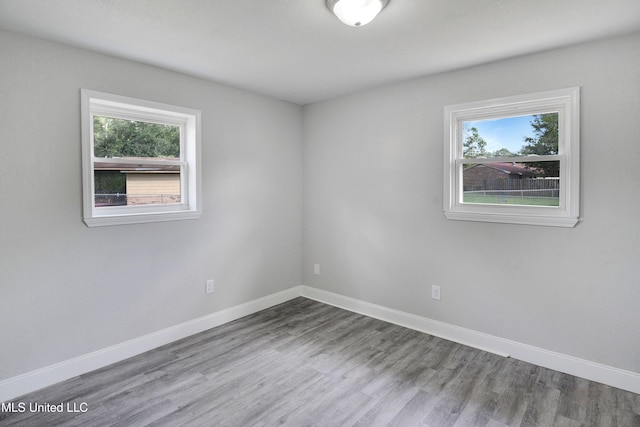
34 380
597 372
40 378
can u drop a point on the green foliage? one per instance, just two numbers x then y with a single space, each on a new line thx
503 152
474 145
108 182
543 143
128 138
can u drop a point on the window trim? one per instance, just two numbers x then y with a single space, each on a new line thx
564 101
101 103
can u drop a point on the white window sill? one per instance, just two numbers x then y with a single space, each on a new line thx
552 221
107 220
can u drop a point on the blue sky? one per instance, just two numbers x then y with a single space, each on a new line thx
506 133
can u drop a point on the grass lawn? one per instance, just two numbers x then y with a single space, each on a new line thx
510 200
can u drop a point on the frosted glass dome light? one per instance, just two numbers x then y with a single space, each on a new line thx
356 13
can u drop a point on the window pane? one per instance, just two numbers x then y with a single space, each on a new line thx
506 183
511 136
119 184
128 138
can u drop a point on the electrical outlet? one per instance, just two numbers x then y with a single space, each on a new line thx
435 292
210 286
316 269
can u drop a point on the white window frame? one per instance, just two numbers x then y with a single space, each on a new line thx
106 104
566 102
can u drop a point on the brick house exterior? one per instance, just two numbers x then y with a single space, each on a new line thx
478 176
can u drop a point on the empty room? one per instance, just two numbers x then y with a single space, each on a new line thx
320 212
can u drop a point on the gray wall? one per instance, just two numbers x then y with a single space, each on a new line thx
67 290
373 167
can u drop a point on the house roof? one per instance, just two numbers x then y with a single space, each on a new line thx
141 167
510 168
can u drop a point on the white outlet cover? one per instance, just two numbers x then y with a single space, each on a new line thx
210 287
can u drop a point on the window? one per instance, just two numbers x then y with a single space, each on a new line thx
514 160
140 160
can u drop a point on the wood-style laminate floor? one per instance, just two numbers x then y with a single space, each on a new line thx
303 363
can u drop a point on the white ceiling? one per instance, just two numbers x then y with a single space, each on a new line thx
296 50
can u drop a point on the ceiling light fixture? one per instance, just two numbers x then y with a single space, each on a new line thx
356 13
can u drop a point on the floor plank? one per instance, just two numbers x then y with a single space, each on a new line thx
303 363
